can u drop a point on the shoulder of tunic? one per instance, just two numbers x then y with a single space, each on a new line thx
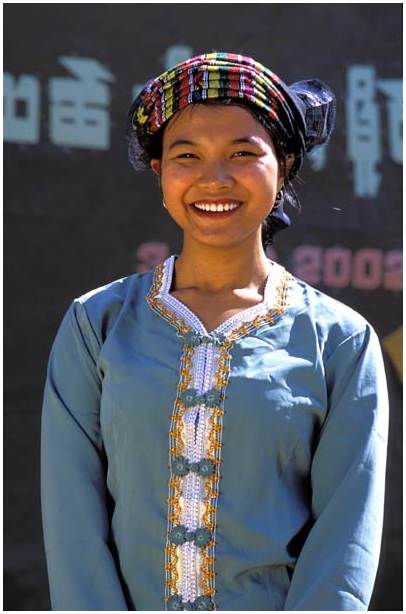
102 306
332 320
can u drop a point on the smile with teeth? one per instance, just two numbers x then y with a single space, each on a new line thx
219 208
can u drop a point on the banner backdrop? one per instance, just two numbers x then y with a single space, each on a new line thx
77 216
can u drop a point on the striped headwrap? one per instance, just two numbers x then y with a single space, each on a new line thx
299 117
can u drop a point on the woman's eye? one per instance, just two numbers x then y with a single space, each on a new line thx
241 154
187 156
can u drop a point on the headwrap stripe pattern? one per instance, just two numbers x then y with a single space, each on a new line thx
207 77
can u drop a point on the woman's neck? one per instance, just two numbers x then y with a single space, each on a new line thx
216 272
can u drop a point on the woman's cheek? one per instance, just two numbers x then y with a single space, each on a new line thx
177 175
258 177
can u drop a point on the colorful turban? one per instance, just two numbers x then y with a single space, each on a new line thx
299 117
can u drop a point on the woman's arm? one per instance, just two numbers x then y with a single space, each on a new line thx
337 566
81 569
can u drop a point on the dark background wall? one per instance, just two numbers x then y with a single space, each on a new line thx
77 216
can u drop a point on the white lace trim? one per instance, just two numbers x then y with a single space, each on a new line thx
269 301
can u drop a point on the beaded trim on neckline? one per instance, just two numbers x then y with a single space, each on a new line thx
177 313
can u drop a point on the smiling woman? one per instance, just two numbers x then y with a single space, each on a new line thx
214 430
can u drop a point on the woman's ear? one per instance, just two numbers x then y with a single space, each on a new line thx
281 177
156 166
286 166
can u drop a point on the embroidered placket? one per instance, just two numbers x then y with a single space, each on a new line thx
195 445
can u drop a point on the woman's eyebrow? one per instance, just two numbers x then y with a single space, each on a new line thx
246 139
243 139
181 142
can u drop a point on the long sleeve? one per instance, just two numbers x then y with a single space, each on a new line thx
81 569
337 565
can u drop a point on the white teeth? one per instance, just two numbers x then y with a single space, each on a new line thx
218 208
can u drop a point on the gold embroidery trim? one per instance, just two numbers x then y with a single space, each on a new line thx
176 444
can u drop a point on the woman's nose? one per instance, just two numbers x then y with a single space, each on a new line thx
215 175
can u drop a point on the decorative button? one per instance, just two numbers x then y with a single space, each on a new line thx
175 603
178 535
203 603
218 338
180 466
193 338
189 397
202 537
212 397
206 467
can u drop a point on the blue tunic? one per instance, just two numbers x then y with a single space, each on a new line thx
235 469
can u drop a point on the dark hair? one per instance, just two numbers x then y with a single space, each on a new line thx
288 196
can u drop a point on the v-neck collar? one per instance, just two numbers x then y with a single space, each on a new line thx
180 315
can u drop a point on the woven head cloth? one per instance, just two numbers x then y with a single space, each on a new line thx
299 117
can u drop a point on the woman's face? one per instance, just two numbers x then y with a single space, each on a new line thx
218 154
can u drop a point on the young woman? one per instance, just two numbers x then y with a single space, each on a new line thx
214 430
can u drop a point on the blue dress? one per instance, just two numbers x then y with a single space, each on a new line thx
237 469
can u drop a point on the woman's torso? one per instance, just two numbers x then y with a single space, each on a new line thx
263 442
274 395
